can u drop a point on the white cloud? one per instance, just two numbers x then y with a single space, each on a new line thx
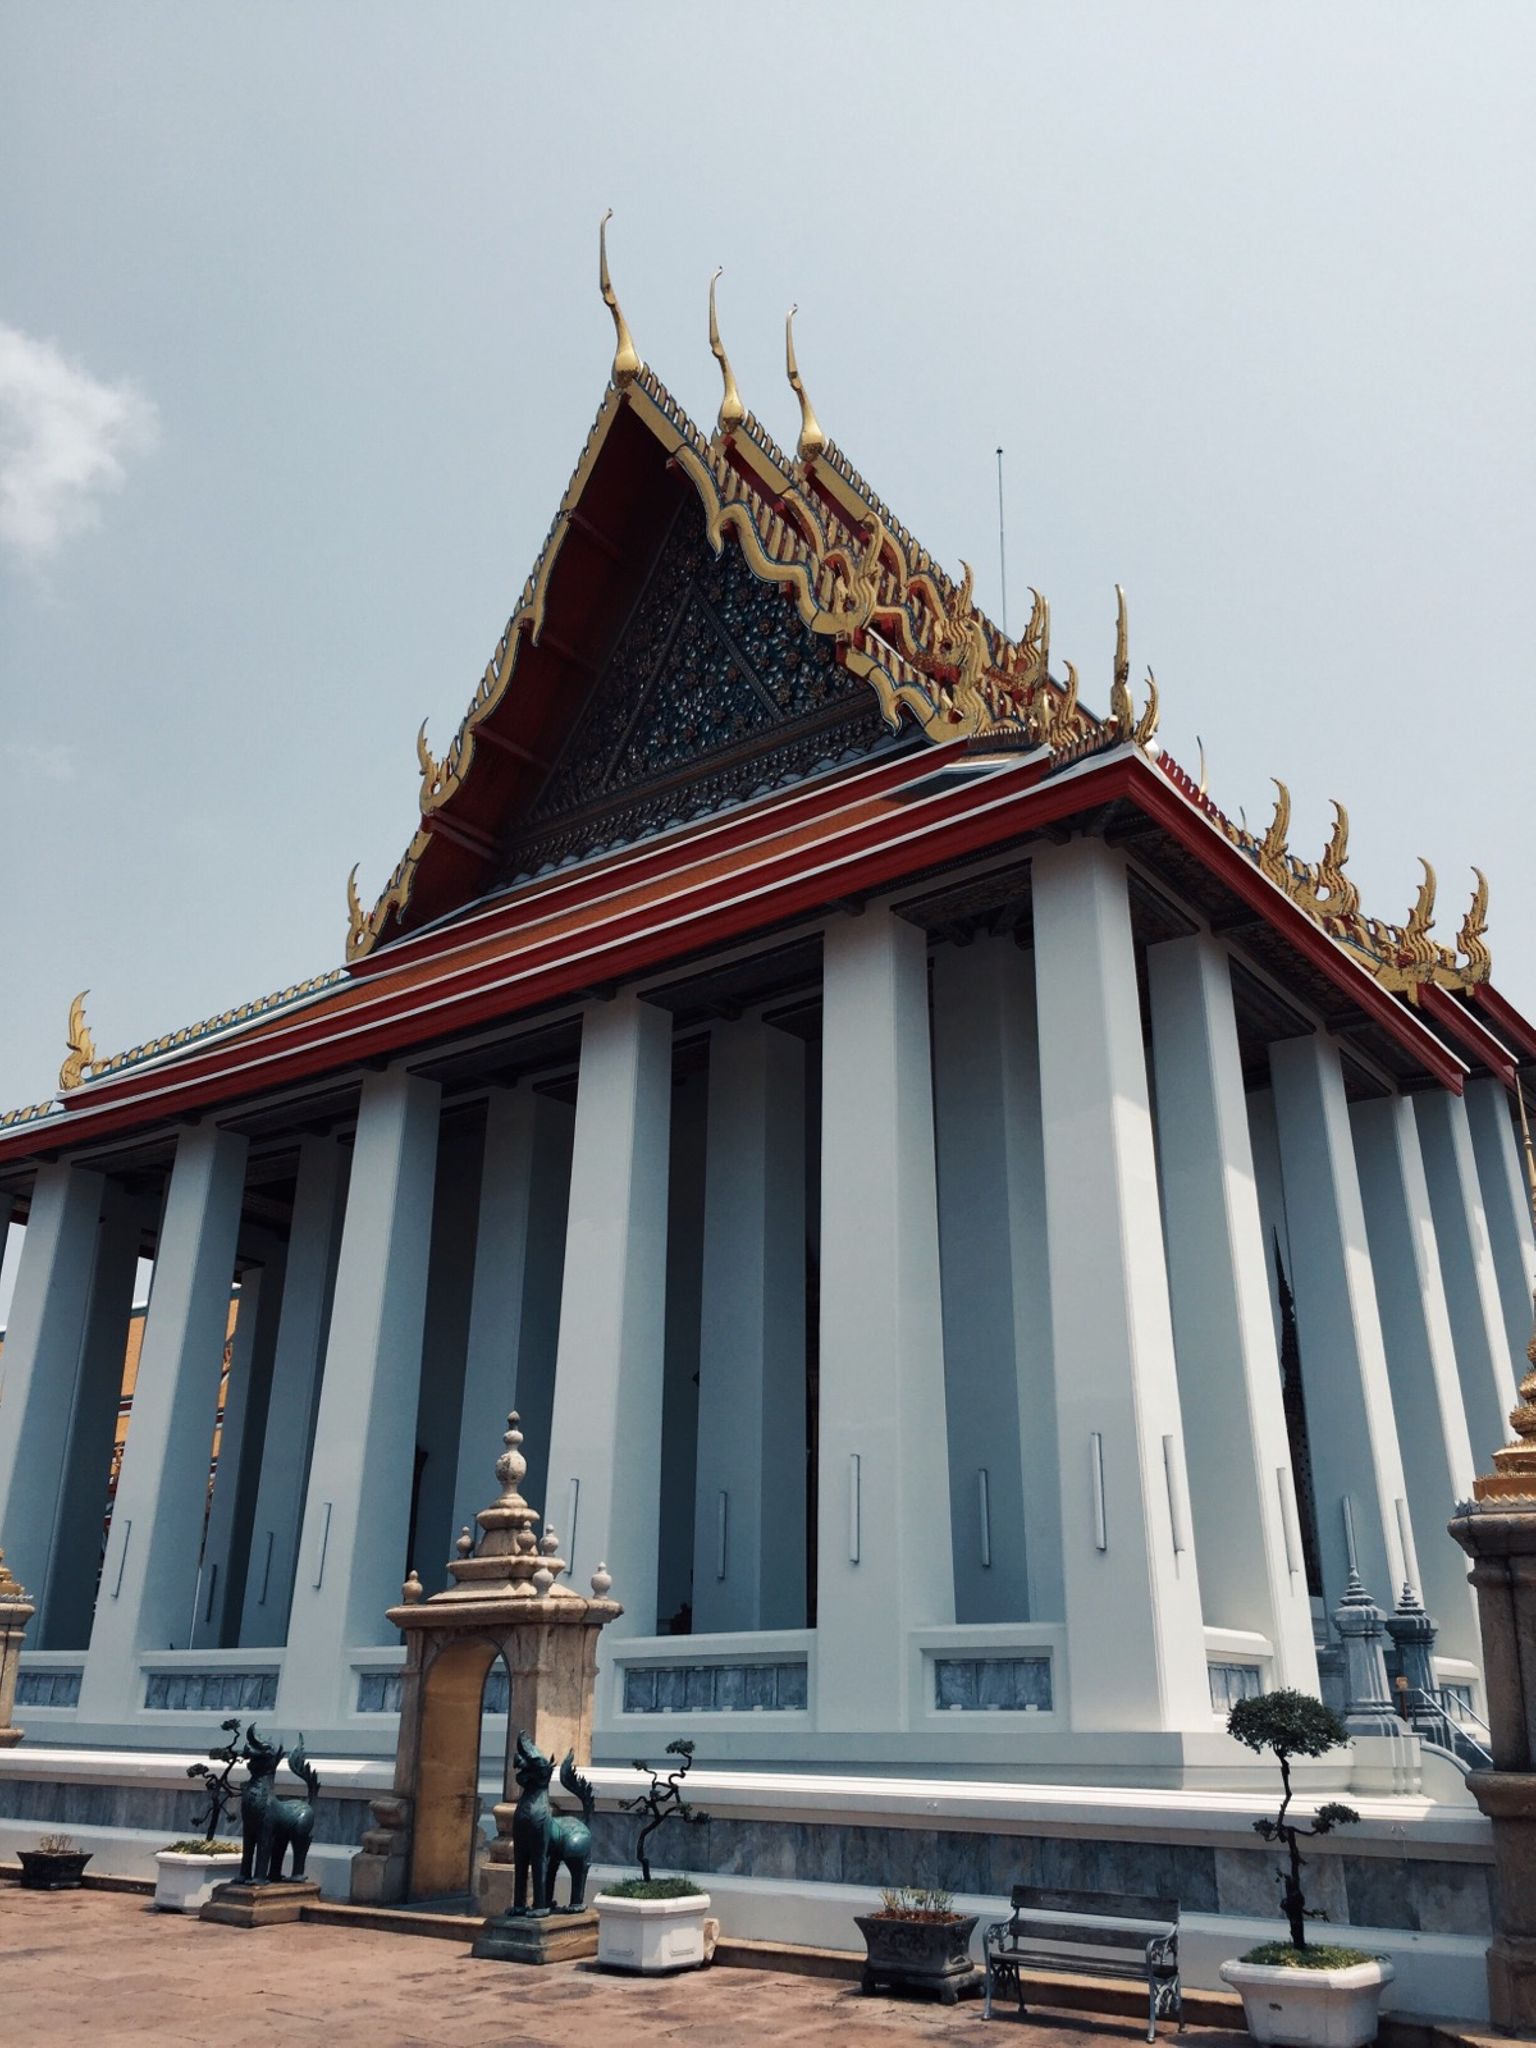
63 439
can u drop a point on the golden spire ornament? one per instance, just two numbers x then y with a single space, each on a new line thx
82 1047
812 439
732 411
626 357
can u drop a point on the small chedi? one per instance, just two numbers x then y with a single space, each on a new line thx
506 1604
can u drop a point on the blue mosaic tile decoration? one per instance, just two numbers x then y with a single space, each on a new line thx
714 1688
48 1689
196 1692
992 1685
1231 1683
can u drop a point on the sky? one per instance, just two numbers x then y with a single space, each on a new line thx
300 339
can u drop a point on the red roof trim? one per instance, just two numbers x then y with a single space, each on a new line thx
1477 1039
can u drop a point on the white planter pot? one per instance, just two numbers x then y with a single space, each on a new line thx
1310 2008
649 1935
184 1884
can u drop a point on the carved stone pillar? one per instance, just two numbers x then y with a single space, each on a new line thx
16 1611
1497 1530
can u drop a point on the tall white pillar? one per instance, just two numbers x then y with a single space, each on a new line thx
440 1409
357 1507
1438 1461
42 1352
66 1605
514 1319
149 1580
749 1522
309 1277
883 1527
1136 1642
605 1430
1000 1397
1483 1354
1507 1206
1357 1472
226 1548
1252 1571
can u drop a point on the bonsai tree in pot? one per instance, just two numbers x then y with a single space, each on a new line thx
55 1865
1298 1992
649 1923
187 1871
918 1942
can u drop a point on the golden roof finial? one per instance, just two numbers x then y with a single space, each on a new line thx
1120 706
732 411
1272 847
1474 930
1205 780
812 439
82 1047
626 357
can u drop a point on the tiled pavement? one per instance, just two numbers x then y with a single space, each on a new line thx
106 1970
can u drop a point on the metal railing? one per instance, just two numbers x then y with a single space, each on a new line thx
1445 1720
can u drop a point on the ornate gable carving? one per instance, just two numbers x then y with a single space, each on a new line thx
714 690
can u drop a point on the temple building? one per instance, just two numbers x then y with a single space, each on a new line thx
990 1253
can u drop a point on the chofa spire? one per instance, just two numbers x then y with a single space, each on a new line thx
812 439
732 411
626 357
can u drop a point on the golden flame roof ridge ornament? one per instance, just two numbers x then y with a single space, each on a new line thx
812 439
626 357
732 411
1272 848
82 1047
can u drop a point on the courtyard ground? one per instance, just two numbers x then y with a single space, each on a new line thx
105 1969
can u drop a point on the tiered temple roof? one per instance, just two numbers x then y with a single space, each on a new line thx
526 873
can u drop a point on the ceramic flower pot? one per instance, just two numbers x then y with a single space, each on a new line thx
184 1883
1310 2008
653 1935
931 1955
52 1870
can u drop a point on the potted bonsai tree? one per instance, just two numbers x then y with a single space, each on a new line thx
187 1871
55 1865
1298 1992
648 1923
918 1942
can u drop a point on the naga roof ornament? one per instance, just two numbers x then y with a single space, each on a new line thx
812 439
732 411
82 1047
626 357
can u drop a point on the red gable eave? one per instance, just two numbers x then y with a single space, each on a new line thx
1517 1032
719 896
1470 1033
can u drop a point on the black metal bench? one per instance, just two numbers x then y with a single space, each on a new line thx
1050 1930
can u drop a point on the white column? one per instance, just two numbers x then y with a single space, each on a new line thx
749 1522
1483 1354
357 1507
1136 1643
605 1431
440 1409
514 1318
1252 1572
883 1527
1357 1472
38 1366
64 1618
999 1391
1438 1463
1507 1206
226 1549
309 1277
149 1580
